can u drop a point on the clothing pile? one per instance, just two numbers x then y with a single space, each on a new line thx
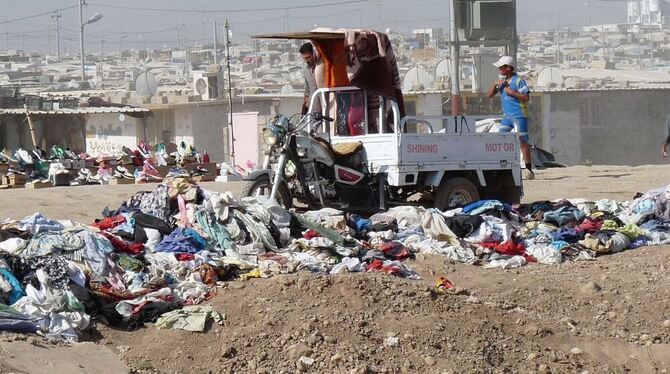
162 252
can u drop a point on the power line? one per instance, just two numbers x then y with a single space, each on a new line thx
37 15
243 10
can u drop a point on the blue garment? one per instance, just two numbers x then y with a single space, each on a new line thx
17 292
559 244
481 206
37 223
14 321
511 106
182 241
359 223
521 123
564 215
658 224
568 235
645 206
641 241
95 252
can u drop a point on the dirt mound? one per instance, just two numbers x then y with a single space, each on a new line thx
525 320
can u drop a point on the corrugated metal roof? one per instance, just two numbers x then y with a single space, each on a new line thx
88 110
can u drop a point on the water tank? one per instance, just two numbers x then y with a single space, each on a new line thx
654 6
490 19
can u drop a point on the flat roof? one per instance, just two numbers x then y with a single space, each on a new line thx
87 110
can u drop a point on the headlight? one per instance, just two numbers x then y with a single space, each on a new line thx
270 137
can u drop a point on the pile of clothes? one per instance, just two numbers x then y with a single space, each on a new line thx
162 252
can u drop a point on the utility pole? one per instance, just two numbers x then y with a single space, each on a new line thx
81 39
101 41
178 41
455 68
216 45
558 36
57 16
230 97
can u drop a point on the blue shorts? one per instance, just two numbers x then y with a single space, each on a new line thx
507 125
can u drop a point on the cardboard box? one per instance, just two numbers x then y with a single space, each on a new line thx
17 179
117 181
39 184
13 181
63 179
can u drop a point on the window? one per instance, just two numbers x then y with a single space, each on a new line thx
590 108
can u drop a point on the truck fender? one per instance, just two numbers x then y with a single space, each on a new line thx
257 173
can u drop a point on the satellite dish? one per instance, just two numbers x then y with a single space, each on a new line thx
122 117
550 77
287 89
442 70
146 84
417 79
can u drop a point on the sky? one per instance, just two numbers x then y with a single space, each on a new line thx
156 23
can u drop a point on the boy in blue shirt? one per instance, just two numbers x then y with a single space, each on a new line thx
514 96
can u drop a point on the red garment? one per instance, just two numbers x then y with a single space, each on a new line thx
589 226
394 250
506 248
122 246
311 234
109 222
378 265
184 256
509 248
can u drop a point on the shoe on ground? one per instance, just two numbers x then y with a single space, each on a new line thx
528 175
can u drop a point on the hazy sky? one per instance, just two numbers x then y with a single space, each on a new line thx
152 28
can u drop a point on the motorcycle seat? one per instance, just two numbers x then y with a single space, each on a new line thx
346 149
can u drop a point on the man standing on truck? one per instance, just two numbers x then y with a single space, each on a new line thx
514 96
307 52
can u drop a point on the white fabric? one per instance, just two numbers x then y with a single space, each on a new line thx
59 314
153 237
13 245
513 262
544 254
435 226
408 217
493 229
351 264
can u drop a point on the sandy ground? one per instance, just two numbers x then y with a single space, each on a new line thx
606 316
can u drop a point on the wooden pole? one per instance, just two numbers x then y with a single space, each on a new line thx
31 126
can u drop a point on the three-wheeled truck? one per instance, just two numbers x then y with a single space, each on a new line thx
356 150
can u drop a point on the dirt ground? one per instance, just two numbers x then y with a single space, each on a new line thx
605 316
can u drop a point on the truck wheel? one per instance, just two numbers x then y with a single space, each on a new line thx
455 192
263 187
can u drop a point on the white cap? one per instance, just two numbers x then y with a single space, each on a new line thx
504 60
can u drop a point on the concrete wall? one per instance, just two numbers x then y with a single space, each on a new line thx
623 127
107 133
